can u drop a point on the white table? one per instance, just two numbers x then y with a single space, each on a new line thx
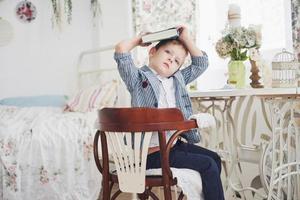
241 112
245 92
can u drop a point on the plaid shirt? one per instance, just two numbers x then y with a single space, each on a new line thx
144 86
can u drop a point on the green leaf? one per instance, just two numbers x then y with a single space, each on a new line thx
237 54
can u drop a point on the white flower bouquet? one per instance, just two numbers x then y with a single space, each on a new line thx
236 41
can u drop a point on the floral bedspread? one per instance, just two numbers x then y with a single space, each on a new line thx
47 154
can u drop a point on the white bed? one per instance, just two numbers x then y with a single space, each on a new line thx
47 152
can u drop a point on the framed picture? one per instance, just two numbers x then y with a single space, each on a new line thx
26 11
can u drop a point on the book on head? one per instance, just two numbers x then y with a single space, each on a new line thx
161 35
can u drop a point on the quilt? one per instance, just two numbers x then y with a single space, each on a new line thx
46 153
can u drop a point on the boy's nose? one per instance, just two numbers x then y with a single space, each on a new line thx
171 59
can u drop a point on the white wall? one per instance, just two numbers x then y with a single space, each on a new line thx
41 59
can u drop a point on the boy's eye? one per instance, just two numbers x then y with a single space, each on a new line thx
167 51
177 62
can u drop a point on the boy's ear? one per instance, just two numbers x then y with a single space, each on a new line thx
152 51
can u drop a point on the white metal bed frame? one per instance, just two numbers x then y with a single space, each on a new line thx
81 72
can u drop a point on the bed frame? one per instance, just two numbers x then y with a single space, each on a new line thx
83 71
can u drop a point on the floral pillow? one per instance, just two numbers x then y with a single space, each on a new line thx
94 97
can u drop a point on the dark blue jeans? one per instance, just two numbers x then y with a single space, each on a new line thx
206 162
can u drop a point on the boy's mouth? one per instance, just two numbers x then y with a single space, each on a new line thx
167 65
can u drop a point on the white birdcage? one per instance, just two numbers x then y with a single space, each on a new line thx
284 70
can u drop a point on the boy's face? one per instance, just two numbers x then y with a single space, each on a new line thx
167 59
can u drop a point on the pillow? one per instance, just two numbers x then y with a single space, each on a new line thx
94 97
35 101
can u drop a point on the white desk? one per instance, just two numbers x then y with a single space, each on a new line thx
242 111
245 92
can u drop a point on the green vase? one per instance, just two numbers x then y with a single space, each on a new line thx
236 72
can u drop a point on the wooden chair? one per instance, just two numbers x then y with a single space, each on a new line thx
127 132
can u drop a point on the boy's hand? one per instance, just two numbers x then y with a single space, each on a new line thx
127 45
187 40
184 35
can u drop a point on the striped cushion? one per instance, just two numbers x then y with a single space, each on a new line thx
94 97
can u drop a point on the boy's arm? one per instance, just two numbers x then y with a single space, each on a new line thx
188 42
126 46
199 58
198 66
127 69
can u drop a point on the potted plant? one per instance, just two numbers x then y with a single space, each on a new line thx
234 44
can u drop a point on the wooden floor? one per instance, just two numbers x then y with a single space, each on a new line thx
128 196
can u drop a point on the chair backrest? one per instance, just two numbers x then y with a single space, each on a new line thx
127 131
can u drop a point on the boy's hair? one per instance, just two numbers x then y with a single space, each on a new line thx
172 41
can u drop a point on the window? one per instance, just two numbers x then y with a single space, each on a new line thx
273 15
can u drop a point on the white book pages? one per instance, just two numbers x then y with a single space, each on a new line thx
160 35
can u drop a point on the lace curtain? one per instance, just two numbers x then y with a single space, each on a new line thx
155 15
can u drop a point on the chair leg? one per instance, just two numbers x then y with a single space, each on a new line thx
105 190
167 192
148 193
181 195
116 195
142 196
153 196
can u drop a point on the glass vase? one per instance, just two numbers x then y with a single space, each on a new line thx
236 73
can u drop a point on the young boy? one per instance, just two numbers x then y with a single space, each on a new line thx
162 85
